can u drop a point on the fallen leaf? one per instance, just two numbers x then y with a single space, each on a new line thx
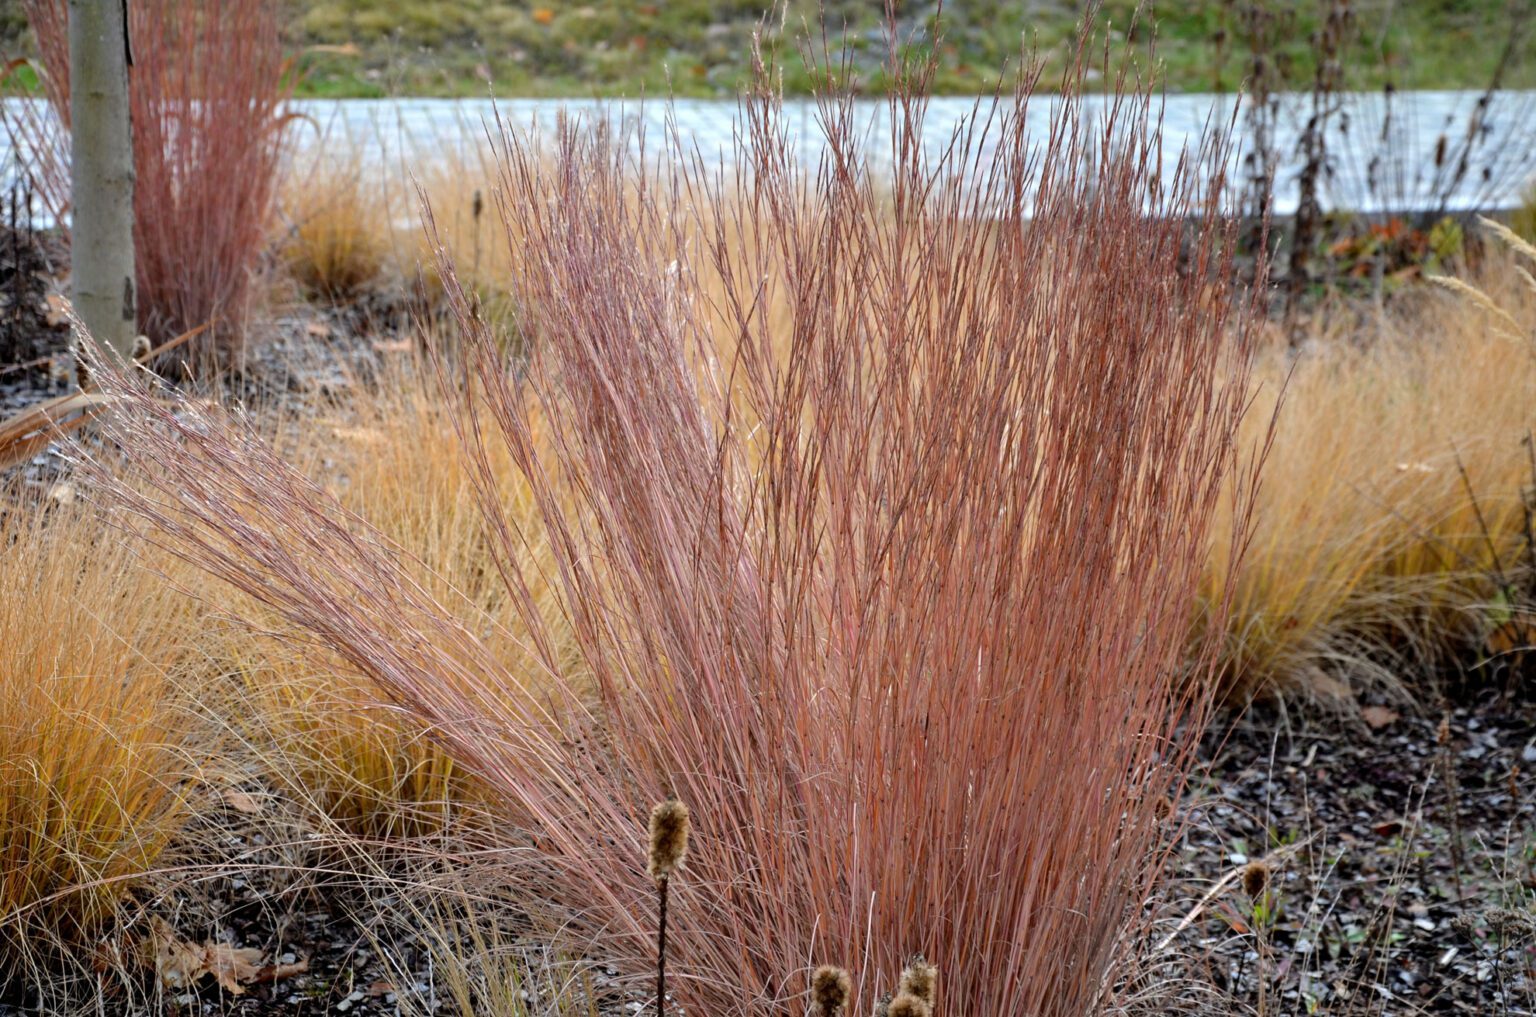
380 988
181 964
1512 636
243 802
57 312
62 492
277 972
178 963
318 329
1326 687
393 345
1378 717
1390 828
232 967
345 49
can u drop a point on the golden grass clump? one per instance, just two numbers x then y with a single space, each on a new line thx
390 462
337 241
1391 500
93 739
321 732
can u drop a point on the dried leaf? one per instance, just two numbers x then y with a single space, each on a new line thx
1378 717
277 972
181 964
1512 636
232 967
57 310
344 49
177 963
243 802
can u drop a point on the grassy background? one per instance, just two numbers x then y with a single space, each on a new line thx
699 47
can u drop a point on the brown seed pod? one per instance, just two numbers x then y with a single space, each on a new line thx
1256 876
907 1005
669 838
920 979
830 989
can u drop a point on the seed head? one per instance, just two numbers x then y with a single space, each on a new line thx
883 1005
669 838
1511 923
830 989
907 1005
1256 878
920 979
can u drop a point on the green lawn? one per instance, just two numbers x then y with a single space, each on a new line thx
700 48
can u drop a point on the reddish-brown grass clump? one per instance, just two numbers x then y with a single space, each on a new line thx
878 514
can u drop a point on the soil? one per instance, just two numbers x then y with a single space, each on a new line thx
1400 855
34 336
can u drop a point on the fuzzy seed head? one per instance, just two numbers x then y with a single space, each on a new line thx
907 1005
1256 878
830 989
883 1005
920 979
669 838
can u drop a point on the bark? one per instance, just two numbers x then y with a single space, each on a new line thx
102 176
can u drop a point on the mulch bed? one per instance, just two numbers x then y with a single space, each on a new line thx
1403 857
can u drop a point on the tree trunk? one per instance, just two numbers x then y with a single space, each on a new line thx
101 243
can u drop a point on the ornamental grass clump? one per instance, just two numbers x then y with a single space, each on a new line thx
877 495
389 457
1390 532
95 741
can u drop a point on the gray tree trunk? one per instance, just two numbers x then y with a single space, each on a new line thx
101 243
